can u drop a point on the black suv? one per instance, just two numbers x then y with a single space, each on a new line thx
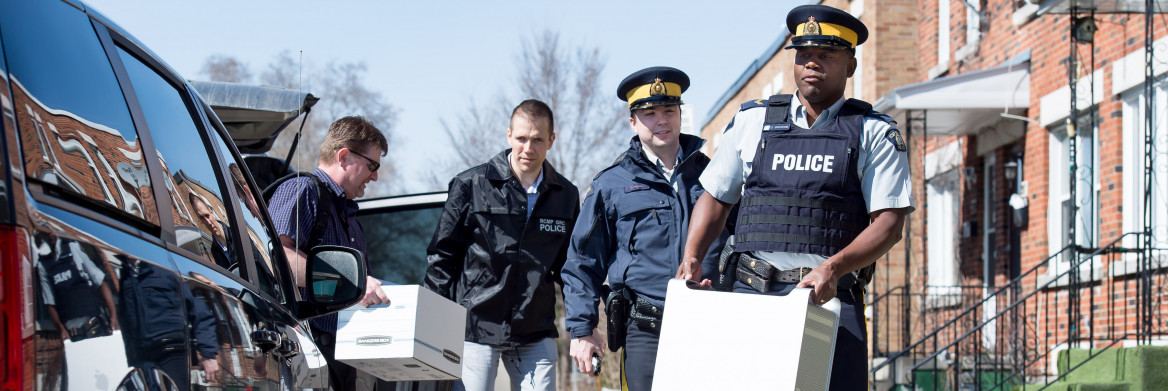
134 250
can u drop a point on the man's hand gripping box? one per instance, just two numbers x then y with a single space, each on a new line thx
417 336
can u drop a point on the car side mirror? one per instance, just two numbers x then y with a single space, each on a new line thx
336 280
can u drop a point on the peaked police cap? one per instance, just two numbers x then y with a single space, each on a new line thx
827 27
653 86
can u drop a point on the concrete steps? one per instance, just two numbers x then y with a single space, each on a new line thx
1115 369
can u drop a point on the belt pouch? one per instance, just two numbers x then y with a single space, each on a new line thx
749 277
646 315
727 267
616 308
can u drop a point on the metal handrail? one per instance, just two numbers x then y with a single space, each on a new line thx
971 308
1016 302
877 299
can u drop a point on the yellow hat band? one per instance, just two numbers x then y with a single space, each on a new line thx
645 91
831 29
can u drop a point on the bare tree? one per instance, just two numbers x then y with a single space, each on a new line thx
342 91
225 68
588 122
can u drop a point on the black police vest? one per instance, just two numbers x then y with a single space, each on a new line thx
74 296
803 194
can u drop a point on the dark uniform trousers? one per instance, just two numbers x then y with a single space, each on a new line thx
639 358
849 369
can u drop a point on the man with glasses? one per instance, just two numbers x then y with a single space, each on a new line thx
498 249
345 165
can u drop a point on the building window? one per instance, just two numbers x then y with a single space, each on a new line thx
1061 211
942 233
990 202
858 77
1133 170
774 87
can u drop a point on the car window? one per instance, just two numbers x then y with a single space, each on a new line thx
260 241
75 128
197 203
397 240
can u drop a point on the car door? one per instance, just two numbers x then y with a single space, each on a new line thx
234 295
135 239
87 200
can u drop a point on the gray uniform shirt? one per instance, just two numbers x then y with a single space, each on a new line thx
883 170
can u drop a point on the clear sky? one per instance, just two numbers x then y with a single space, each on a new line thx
430 58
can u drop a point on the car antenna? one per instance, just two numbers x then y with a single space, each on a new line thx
306 109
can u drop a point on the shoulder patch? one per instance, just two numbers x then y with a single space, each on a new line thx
750 104
883 117
893 137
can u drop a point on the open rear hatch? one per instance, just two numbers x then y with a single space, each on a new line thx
254 116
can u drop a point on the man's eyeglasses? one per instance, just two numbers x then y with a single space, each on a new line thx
373 164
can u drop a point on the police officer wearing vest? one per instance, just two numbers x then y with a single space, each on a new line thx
74 289
632 228
822 183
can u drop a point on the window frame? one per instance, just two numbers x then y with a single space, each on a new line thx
112 40
87 206
1132 147
1058 190
285 277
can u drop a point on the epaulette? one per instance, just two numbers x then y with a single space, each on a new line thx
750 104
883 117
614 164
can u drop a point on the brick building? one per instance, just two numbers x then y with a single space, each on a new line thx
1014 253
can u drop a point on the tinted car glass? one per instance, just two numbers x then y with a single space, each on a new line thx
200 216
260 241
398 240
75 128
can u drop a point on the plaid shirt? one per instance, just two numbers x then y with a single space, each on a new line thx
293 210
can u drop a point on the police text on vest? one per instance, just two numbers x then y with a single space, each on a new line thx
553 225
819 163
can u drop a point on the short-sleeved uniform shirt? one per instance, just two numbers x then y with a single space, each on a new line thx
90 271
882 168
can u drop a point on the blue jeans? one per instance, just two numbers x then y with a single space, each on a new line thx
532 367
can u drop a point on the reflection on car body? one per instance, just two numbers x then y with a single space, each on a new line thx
133 252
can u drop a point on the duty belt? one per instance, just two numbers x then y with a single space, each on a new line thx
760 274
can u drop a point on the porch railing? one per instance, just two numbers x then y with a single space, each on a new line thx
971 337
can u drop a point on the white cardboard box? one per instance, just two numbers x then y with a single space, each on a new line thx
757 342
418 336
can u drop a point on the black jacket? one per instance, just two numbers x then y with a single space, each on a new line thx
488 256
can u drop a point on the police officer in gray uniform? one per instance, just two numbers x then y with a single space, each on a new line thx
632 228
822 183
